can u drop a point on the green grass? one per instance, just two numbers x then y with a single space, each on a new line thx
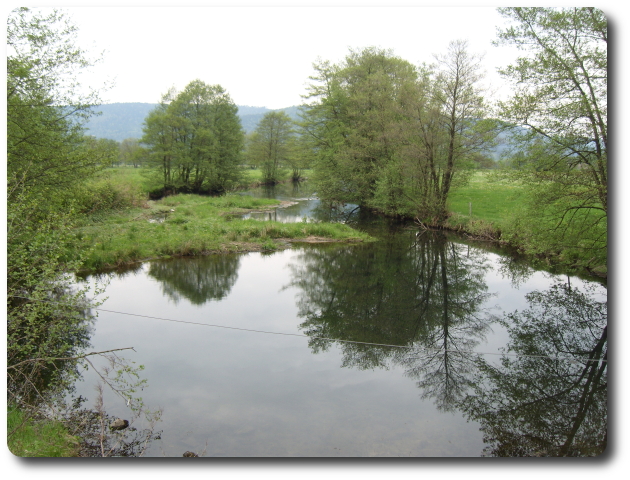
492 201
137 177
499 212
192 225
252 176
43 438
144 181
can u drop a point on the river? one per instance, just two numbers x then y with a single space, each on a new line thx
421 344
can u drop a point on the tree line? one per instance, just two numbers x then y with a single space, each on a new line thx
382 133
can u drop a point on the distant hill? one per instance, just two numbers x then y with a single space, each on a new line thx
250 120
119 121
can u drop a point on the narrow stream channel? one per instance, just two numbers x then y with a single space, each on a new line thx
420 345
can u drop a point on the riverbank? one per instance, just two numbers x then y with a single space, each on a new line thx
185 225
484 209
486 231
29 437
492 209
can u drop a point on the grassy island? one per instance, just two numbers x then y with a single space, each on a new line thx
183 225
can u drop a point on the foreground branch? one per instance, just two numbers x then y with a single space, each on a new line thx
52 359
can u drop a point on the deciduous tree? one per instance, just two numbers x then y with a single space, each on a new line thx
47 158
395 137
130 152
445 129
195 139
272 145
561 101
354 119
45 110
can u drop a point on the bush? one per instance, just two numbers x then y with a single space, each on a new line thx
103 195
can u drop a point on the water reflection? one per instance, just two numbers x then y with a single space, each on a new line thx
533 405
429 294
206 278
421 292
410 320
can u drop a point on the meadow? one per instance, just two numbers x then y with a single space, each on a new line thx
184 224
491 200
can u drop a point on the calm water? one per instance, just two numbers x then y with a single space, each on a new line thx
391 348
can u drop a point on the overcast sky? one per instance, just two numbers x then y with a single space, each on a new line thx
264 55
261 55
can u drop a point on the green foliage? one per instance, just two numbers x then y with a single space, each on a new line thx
47 319
352 121
560 148
195 140
392 136
47 159
38 438
271 146
108 150
45 148
131 153
554 221
103 194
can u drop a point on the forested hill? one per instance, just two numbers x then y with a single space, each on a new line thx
119 121
250 116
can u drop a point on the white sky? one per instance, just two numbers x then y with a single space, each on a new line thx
263 55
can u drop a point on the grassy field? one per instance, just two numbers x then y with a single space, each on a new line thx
141 178
492 201
193 225
137 177
483 206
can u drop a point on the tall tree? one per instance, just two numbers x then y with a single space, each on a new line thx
561 101
45 112
395 137
195 139
130 152
301 156
272 145
445 130
354 119
47 159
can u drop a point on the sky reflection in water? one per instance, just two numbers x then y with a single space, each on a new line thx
242 393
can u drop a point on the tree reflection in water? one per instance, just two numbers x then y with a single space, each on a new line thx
421 292
440 360
200 280
532 406
429 295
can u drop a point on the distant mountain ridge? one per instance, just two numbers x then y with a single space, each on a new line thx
119 121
